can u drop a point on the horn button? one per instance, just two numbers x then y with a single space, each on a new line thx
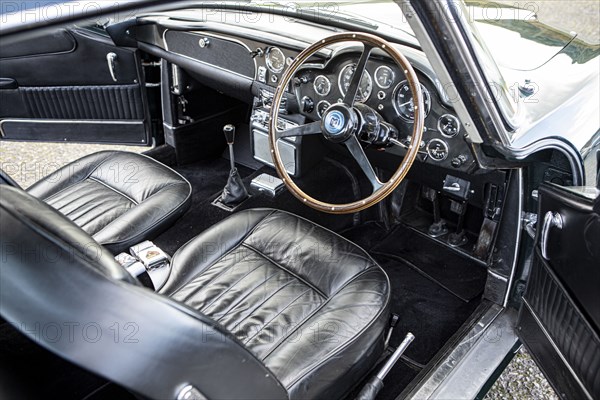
339 123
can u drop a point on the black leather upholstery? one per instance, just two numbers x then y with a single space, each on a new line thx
67 293
263 305
308 303
119 198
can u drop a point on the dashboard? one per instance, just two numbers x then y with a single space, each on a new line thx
247 63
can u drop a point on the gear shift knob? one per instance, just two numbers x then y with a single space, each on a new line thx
229 131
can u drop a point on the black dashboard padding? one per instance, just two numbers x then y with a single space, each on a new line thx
219 52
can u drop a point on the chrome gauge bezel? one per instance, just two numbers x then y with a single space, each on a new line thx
439 125
392 74
328 85
365 73
426 100
269 63
319 106
444 144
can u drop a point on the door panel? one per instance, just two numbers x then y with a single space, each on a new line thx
60 88
560 318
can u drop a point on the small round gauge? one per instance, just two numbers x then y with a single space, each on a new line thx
322 106
448 125
275 59
404 104
437 150
366 83
322 85
384 77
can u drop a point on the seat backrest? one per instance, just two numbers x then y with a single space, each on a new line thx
68 294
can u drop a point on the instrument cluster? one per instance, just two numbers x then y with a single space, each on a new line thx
384 88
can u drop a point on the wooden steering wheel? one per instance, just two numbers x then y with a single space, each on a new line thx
349 123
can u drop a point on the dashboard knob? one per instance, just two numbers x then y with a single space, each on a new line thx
458 161
204 42
308 105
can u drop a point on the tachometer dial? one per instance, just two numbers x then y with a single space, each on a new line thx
275 59
364 88
384 77
322 85
404 103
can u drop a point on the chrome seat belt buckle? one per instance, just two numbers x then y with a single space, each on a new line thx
150 255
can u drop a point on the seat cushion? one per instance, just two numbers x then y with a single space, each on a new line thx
308 303
117 197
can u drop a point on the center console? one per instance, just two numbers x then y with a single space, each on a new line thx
298 153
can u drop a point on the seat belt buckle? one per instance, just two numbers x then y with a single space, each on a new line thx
150 255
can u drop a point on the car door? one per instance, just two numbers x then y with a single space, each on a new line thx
559 321
72 85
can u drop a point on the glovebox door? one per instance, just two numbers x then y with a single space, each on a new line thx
559 321
72 85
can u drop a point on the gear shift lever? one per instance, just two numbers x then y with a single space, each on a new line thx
235 192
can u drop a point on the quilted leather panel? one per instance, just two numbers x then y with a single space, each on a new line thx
251 297
118 102
120 198
310 304
90 205
572 334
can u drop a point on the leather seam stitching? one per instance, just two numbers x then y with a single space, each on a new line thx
91 178
251 291
280 266
231 250
278 314
213 278
356 336
322 306
202 310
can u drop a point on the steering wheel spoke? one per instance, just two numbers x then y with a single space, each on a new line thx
357 76
360 156
342 122
313 128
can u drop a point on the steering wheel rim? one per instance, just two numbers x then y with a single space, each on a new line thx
369 42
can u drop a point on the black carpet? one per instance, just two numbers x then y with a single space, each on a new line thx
327 183
461 276
434 290
426 308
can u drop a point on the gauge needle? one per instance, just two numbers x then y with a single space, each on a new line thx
408 102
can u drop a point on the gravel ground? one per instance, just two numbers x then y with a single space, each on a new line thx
27 162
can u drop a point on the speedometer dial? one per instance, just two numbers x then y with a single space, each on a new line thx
404 103
384 77
364 88
275 59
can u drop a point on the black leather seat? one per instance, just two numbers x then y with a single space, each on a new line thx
119 198
263 305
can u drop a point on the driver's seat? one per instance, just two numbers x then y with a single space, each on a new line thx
263 305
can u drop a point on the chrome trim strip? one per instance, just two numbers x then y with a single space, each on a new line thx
517 239
460 375
564 360
439 67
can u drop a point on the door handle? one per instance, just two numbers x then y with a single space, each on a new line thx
550 220
111 58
